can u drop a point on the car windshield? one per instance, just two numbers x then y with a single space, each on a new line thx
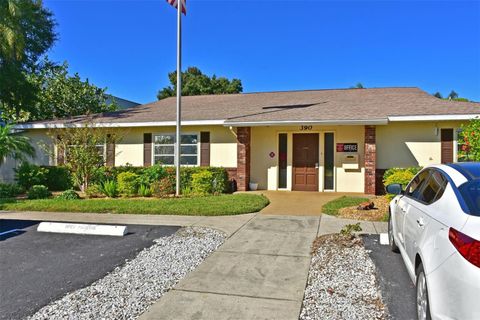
470 192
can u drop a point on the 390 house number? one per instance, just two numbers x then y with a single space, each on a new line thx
306 128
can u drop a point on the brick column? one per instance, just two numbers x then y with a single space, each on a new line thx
370 159
243 158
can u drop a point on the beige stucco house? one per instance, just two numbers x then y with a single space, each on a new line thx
320 140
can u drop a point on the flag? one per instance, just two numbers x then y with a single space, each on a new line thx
175 4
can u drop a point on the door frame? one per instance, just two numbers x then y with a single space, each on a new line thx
317 167
321 168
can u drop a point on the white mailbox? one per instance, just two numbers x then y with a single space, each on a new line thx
350 162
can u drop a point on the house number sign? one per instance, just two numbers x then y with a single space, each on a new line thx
306 128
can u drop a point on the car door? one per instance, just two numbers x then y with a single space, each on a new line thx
404 204
420 226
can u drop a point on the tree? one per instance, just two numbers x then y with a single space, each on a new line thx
66 96
13 145
194 82
358 86
453 95
438 95
26 33
469 141
81 148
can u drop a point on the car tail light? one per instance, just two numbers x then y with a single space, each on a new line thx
468 247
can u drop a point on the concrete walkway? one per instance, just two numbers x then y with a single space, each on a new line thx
260 272
227 224
299 203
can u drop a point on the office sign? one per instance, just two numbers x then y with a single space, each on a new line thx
347 147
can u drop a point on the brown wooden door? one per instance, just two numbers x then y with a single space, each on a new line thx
305 162
447 145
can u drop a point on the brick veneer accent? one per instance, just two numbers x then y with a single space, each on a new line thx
370 160
243 158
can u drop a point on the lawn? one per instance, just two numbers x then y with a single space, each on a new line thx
196 206
332 207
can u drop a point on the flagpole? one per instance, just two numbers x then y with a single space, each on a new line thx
179 97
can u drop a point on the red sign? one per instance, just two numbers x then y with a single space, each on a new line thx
272 154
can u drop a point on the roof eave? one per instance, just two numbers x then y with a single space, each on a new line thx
306 122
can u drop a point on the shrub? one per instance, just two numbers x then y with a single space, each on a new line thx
58 179
110 188
202 182
144 191
127 183
348 229
153 173
164 187
219 178
38 192
68 195
399 175
94 191
9 190
28 175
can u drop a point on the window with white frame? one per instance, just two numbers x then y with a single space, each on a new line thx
164 149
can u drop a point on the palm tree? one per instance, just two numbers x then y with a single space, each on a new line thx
13 145
12 40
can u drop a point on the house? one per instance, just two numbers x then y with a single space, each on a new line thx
320 140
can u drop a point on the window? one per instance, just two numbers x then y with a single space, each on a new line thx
470 192
434 188
164 149
282 160
415 186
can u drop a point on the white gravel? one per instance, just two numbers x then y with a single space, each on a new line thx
341 282
129 290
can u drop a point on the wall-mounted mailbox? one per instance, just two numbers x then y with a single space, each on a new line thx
350 162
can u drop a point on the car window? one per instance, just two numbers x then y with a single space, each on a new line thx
433 188
415 186
470 192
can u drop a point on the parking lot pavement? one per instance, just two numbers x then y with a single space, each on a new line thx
398 290
37 268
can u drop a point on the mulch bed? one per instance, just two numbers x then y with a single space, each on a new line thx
378 213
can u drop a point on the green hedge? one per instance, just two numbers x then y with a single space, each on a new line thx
54 178
400 175
9 190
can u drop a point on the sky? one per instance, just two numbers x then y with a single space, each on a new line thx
129 46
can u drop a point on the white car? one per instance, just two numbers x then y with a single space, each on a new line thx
435 224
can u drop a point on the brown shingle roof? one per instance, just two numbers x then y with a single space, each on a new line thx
312 105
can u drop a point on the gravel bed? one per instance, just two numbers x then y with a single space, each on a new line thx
341 282
129 290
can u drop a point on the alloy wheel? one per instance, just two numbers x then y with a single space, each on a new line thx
422 297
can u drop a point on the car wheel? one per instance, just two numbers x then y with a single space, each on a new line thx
423 307
391 239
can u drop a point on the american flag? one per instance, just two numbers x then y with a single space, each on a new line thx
175 4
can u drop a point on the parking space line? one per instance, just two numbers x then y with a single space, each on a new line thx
9 231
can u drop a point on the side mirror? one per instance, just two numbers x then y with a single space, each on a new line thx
394 188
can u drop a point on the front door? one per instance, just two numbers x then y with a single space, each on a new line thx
305 162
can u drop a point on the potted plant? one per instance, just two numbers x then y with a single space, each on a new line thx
253 186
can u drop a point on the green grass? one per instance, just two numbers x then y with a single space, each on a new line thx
333 206
197 206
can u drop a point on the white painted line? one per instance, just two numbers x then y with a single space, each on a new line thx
384 239
80 228
9 231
